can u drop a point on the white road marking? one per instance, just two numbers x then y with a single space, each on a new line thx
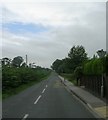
37 99
43 91
46 86
25 116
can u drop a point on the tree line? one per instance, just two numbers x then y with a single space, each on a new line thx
15 73
78 63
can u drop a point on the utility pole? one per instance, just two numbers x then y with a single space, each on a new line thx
101 55
26 59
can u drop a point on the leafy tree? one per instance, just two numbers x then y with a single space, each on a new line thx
56 64
6 61
94 67
78 73
24 65
95 56
77 56
66 65
17 61
106 64
13 77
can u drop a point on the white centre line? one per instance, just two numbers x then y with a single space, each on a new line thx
25 116
37 99
46 86
43 91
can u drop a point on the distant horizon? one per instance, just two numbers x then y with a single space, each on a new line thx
51 63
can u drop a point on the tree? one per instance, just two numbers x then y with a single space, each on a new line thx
106 64
6 61
95 56
56 64
24 65
78 73
65 66
17 61
77 56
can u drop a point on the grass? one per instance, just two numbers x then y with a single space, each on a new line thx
69 77
14 91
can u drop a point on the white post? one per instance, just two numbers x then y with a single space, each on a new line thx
102 87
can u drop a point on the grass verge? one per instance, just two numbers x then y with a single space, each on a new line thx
69 77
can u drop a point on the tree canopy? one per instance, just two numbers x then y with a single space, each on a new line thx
17 61
76 56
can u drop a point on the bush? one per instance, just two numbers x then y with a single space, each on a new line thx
94 67
106 64
13 77
78 72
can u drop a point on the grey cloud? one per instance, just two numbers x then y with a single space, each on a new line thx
88 30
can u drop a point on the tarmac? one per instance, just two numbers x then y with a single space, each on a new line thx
95 104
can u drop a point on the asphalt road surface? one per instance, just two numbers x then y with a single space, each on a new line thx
47 99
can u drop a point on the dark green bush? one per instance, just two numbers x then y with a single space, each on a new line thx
78 72
106 64
13 77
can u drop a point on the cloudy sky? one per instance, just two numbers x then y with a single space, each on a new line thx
46 31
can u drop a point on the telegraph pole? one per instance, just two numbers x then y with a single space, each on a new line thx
26 59
101 55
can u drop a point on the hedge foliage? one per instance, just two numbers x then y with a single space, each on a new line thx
95 66
13 77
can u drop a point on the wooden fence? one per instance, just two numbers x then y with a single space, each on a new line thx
93 84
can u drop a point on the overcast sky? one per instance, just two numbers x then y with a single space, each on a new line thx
46 31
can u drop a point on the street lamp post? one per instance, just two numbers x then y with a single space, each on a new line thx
101 54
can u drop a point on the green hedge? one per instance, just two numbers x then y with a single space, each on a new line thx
94 67
13 77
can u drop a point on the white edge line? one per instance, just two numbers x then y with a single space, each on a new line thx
46 86
37 99
43 90
89 105
25 116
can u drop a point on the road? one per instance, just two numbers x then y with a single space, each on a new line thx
47 99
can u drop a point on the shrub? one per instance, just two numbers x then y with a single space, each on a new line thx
94 67
14 77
